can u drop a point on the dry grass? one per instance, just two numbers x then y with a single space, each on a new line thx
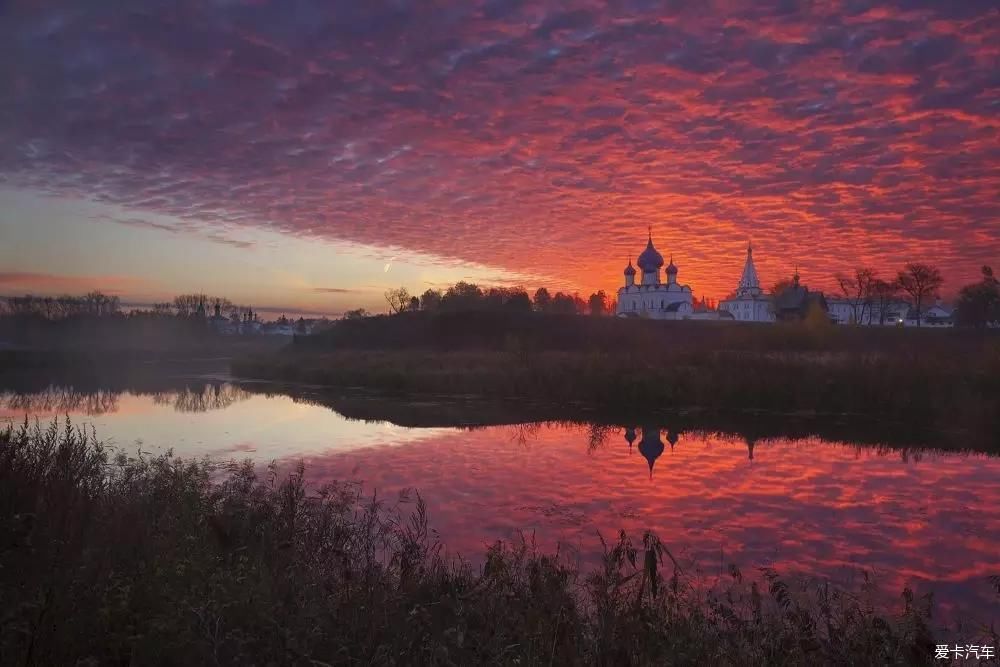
107 559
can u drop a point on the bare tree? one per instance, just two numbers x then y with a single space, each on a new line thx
883 294
920 281
857 291
398 299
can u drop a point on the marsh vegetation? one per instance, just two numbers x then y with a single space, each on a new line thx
112 559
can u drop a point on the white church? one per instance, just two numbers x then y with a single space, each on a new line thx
749 303
652 298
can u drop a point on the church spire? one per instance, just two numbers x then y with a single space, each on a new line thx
749 282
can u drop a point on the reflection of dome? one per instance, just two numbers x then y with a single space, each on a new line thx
630 437
672 438
650 446
650 260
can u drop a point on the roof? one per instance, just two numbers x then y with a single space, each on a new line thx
791 297
650 259
749 279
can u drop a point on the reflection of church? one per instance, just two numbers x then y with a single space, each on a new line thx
651 445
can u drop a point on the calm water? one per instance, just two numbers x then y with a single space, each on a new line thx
804 506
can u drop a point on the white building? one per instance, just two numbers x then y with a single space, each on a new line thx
937 315
850 311
749 304
651 298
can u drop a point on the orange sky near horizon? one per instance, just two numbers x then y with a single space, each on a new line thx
495 141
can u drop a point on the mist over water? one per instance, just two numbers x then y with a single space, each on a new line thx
909 516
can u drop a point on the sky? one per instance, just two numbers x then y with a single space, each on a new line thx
307 155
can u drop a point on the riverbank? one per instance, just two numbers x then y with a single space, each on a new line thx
948 381
107 559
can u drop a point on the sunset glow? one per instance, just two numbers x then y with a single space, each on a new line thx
284 153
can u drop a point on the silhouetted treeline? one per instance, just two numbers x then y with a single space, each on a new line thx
95 322
94 304
463 296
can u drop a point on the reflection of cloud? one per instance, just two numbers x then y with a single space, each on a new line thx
237 448
525 136
804 506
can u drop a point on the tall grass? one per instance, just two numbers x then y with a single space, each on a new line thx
110 559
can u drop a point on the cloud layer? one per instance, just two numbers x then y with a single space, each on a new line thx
528 136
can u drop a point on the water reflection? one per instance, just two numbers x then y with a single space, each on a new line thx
217 396
56 400
763 493
59 401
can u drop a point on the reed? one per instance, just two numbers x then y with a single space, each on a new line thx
108 558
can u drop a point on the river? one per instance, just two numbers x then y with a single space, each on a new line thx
806 506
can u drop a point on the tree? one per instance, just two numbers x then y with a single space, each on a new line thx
398 299
598 303
857 290
979 303
187 304
518 301
414 303
884 294
542 300
920 281
430 300
780 286
462 296
357 314
562 303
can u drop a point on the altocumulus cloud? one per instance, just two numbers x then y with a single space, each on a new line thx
528 137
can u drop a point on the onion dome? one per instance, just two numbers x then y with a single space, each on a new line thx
671 269
629 270
650 260
650 446
630 437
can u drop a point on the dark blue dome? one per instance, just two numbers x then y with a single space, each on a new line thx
650 260
671 268
629 270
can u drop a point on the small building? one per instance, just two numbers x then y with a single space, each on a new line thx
221 324
795 301
849 311
937 315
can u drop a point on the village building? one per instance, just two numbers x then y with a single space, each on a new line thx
795 301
